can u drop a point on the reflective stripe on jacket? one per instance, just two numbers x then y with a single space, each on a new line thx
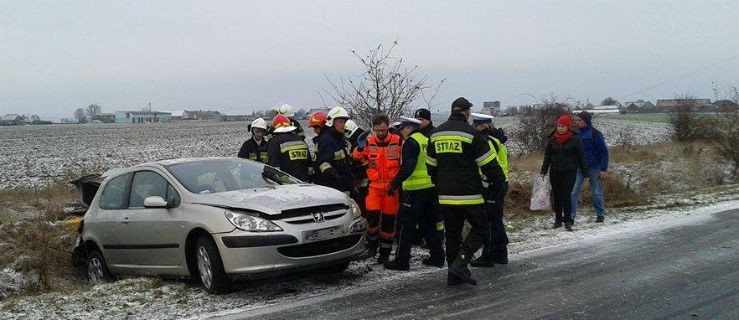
456 154
382 158
419 178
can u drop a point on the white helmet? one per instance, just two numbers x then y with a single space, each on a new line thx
285 109
334 113
350 128
258 123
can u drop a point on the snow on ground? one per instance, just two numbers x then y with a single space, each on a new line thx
36 156
152 298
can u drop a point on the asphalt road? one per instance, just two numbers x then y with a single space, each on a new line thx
682 272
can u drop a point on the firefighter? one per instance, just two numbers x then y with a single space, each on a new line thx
456 156
359 168
317 121
287 110
333 158
419 202
287 151
381 152
495 249
255 148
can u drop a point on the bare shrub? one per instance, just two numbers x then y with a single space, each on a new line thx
725 133
535 125
688 125
626 138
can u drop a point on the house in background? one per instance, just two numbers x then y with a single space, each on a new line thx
201 115
11 120
105 117
142 117
672 105
491 107
726 106
640 107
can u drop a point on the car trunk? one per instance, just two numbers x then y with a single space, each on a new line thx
87 187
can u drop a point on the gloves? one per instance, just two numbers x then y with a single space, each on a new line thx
362 140
496 188
391 190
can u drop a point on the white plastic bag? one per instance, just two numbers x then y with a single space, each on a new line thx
540 195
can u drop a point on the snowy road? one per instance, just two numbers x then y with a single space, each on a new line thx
677 267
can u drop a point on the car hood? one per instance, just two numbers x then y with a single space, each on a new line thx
273 200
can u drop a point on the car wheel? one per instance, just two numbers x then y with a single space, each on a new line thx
335 268
97 269
210 266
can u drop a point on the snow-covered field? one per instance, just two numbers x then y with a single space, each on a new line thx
36 156
150 298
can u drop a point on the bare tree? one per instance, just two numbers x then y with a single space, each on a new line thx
386 86
537 122
92 111
609 101
79 114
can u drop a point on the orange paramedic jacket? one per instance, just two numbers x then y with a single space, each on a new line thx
382 158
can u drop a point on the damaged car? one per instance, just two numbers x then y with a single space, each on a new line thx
215 220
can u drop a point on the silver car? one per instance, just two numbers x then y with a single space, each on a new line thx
215 219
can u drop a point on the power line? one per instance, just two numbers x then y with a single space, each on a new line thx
680 77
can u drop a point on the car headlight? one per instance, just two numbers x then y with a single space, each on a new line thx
354 209
251 223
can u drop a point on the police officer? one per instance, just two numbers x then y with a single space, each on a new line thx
495 249
287 151
382 155
333 158
456 156
419 201
255 148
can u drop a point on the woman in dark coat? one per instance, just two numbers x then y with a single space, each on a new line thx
562 157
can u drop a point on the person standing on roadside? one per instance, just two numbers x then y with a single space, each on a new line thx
352 132
596 156
563 156
317 122
381 152
426 127
287 151
495 249
287 110
419 201
255 148
333 158
456 156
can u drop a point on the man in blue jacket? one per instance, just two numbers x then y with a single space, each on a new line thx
596 156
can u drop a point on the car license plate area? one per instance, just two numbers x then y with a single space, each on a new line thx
321 234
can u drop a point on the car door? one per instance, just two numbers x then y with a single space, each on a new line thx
152 237
104 225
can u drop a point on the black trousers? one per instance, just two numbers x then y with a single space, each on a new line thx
418 208
562 184
497 244
454 218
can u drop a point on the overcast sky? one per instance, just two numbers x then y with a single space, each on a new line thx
238 56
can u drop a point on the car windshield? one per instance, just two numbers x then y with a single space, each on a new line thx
221 175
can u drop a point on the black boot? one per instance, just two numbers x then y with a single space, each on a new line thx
500 255
459 269
384 255
452 280
568 226
557 224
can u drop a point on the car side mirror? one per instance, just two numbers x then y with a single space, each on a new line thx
155 202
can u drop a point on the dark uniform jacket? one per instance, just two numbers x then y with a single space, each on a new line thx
290 154
333 160
456 156
250 150
568 156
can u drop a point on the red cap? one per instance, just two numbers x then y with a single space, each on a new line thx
565 120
